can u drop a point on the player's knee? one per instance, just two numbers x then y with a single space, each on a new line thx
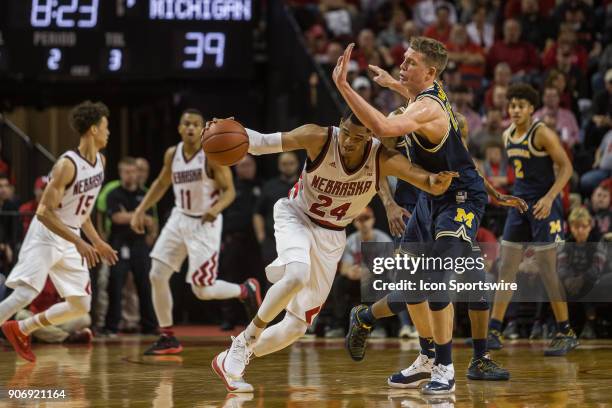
437 306
478 305
297 275
202 292
25 294
79 304
160 273
296 328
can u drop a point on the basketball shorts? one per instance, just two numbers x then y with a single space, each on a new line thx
418 227
542 234
458 214
300 240
43 254
185 236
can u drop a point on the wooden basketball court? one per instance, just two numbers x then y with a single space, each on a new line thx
312 373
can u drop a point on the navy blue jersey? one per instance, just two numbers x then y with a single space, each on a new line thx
450 154
533 168
406 194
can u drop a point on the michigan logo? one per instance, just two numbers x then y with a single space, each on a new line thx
555 227
465 218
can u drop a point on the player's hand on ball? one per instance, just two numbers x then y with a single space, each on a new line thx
396 216
512 201
341 70
106 252
541 210
382 77
440 182
138 222
88 253
209 216
211 122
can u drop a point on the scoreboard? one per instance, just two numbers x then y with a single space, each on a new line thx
67 40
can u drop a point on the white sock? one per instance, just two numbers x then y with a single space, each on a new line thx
279 336
22 296
252 332
218 290
160 292
31 324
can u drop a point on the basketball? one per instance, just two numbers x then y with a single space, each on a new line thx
225 142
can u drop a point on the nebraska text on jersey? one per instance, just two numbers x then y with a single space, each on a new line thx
187 176
339 188
83 186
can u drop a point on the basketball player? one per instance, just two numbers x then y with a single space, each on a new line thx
339 179
481 367
202 190
53 245
534 149
434 132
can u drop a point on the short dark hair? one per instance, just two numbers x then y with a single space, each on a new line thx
87 114
127 160
351 117
523 91
434 51
192 111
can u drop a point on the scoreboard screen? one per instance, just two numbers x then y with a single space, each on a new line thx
148 39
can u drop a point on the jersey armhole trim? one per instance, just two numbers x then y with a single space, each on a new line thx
76 170
377 166
314 164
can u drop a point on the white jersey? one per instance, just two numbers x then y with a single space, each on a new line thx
331 195
82 192
194 191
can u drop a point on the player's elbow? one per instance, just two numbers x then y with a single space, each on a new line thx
42 214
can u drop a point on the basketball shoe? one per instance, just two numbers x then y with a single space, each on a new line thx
238 356
486 369
252 298
494 340
232 383
561 344
357 334
166 344
442 380
414 375
20 342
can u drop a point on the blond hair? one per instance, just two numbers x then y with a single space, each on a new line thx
580 214
434 52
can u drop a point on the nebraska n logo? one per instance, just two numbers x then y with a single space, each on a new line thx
464 217
555 227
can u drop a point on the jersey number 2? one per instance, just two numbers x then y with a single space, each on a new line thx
186 199
326 201
84 203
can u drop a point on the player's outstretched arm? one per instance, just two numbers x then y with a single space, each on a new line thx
223 178
155 193
546 139
62 174
392 163
307 137
396 214
384 79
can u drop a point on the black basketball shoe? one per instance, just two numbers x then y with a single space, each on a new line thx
486 369
561 344
357 335
164 345
252 301
494 340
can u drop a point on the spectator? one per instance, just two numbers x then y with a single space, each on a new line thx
238 240
28 210
558 79
599 208
132 249
522 57
602 168
6 260
363 87
73 331
490 132
578 16
386 100
441 28
495 168
566 43
601 121
577 85
480 31
347 285
143 169
338 16
462 98
469 57
500 102
10 230
581 264
271 192
317 42
566 124
367 52
409 30
393 34
536 28
604 64
424 12
501 77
